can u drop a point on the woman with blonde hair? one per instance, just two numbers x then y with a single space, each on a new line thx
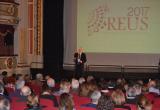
66 102
119 100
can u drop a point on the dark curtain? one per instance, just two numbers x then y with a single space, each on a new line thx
53 37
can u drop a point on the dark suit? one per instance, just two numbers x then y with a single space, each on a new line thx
79 60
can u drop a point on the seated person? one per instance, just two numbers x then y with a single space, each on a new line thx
119 100
24 93
66 102
94 99
2 92
33 102
4 104
47 94
105 103
75 86
18 86
64 87
143 103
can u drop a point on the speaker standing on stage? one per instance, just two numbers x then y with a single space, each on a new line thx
79 59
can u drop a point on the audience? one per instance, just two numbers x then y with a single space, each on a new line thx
104 94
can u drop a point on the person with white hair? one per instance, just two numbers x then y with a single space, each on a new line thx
51 82
75 86
81 80
4 104
18 86
25 91
94 99
39 76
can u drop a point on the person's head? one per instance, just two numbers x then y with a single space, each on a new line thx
66 102
4 73
80 50
65 86
144 103
39 77
131 92
1 79
151 83
20 84
47 77
1 89
84 90
105 103
27 77
81 80
95 96
32 101
90 78
118 97
138 89
74 84
4 103
25 91
51 82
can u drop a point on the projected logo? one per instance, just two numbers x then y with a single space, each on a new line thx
96 19
132 18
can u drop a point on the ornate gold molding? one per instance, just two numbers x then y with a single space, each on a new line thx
9 13
39 26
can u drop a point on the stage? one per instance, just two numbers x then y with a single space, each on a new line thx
115 71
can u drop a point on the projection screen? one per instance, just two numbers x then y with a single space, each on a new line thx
113 32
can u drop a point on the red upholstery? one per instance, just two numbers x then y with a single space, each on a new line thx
156 103
132 106
17 105
80 100
150 96
120 109
84 108
46 102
